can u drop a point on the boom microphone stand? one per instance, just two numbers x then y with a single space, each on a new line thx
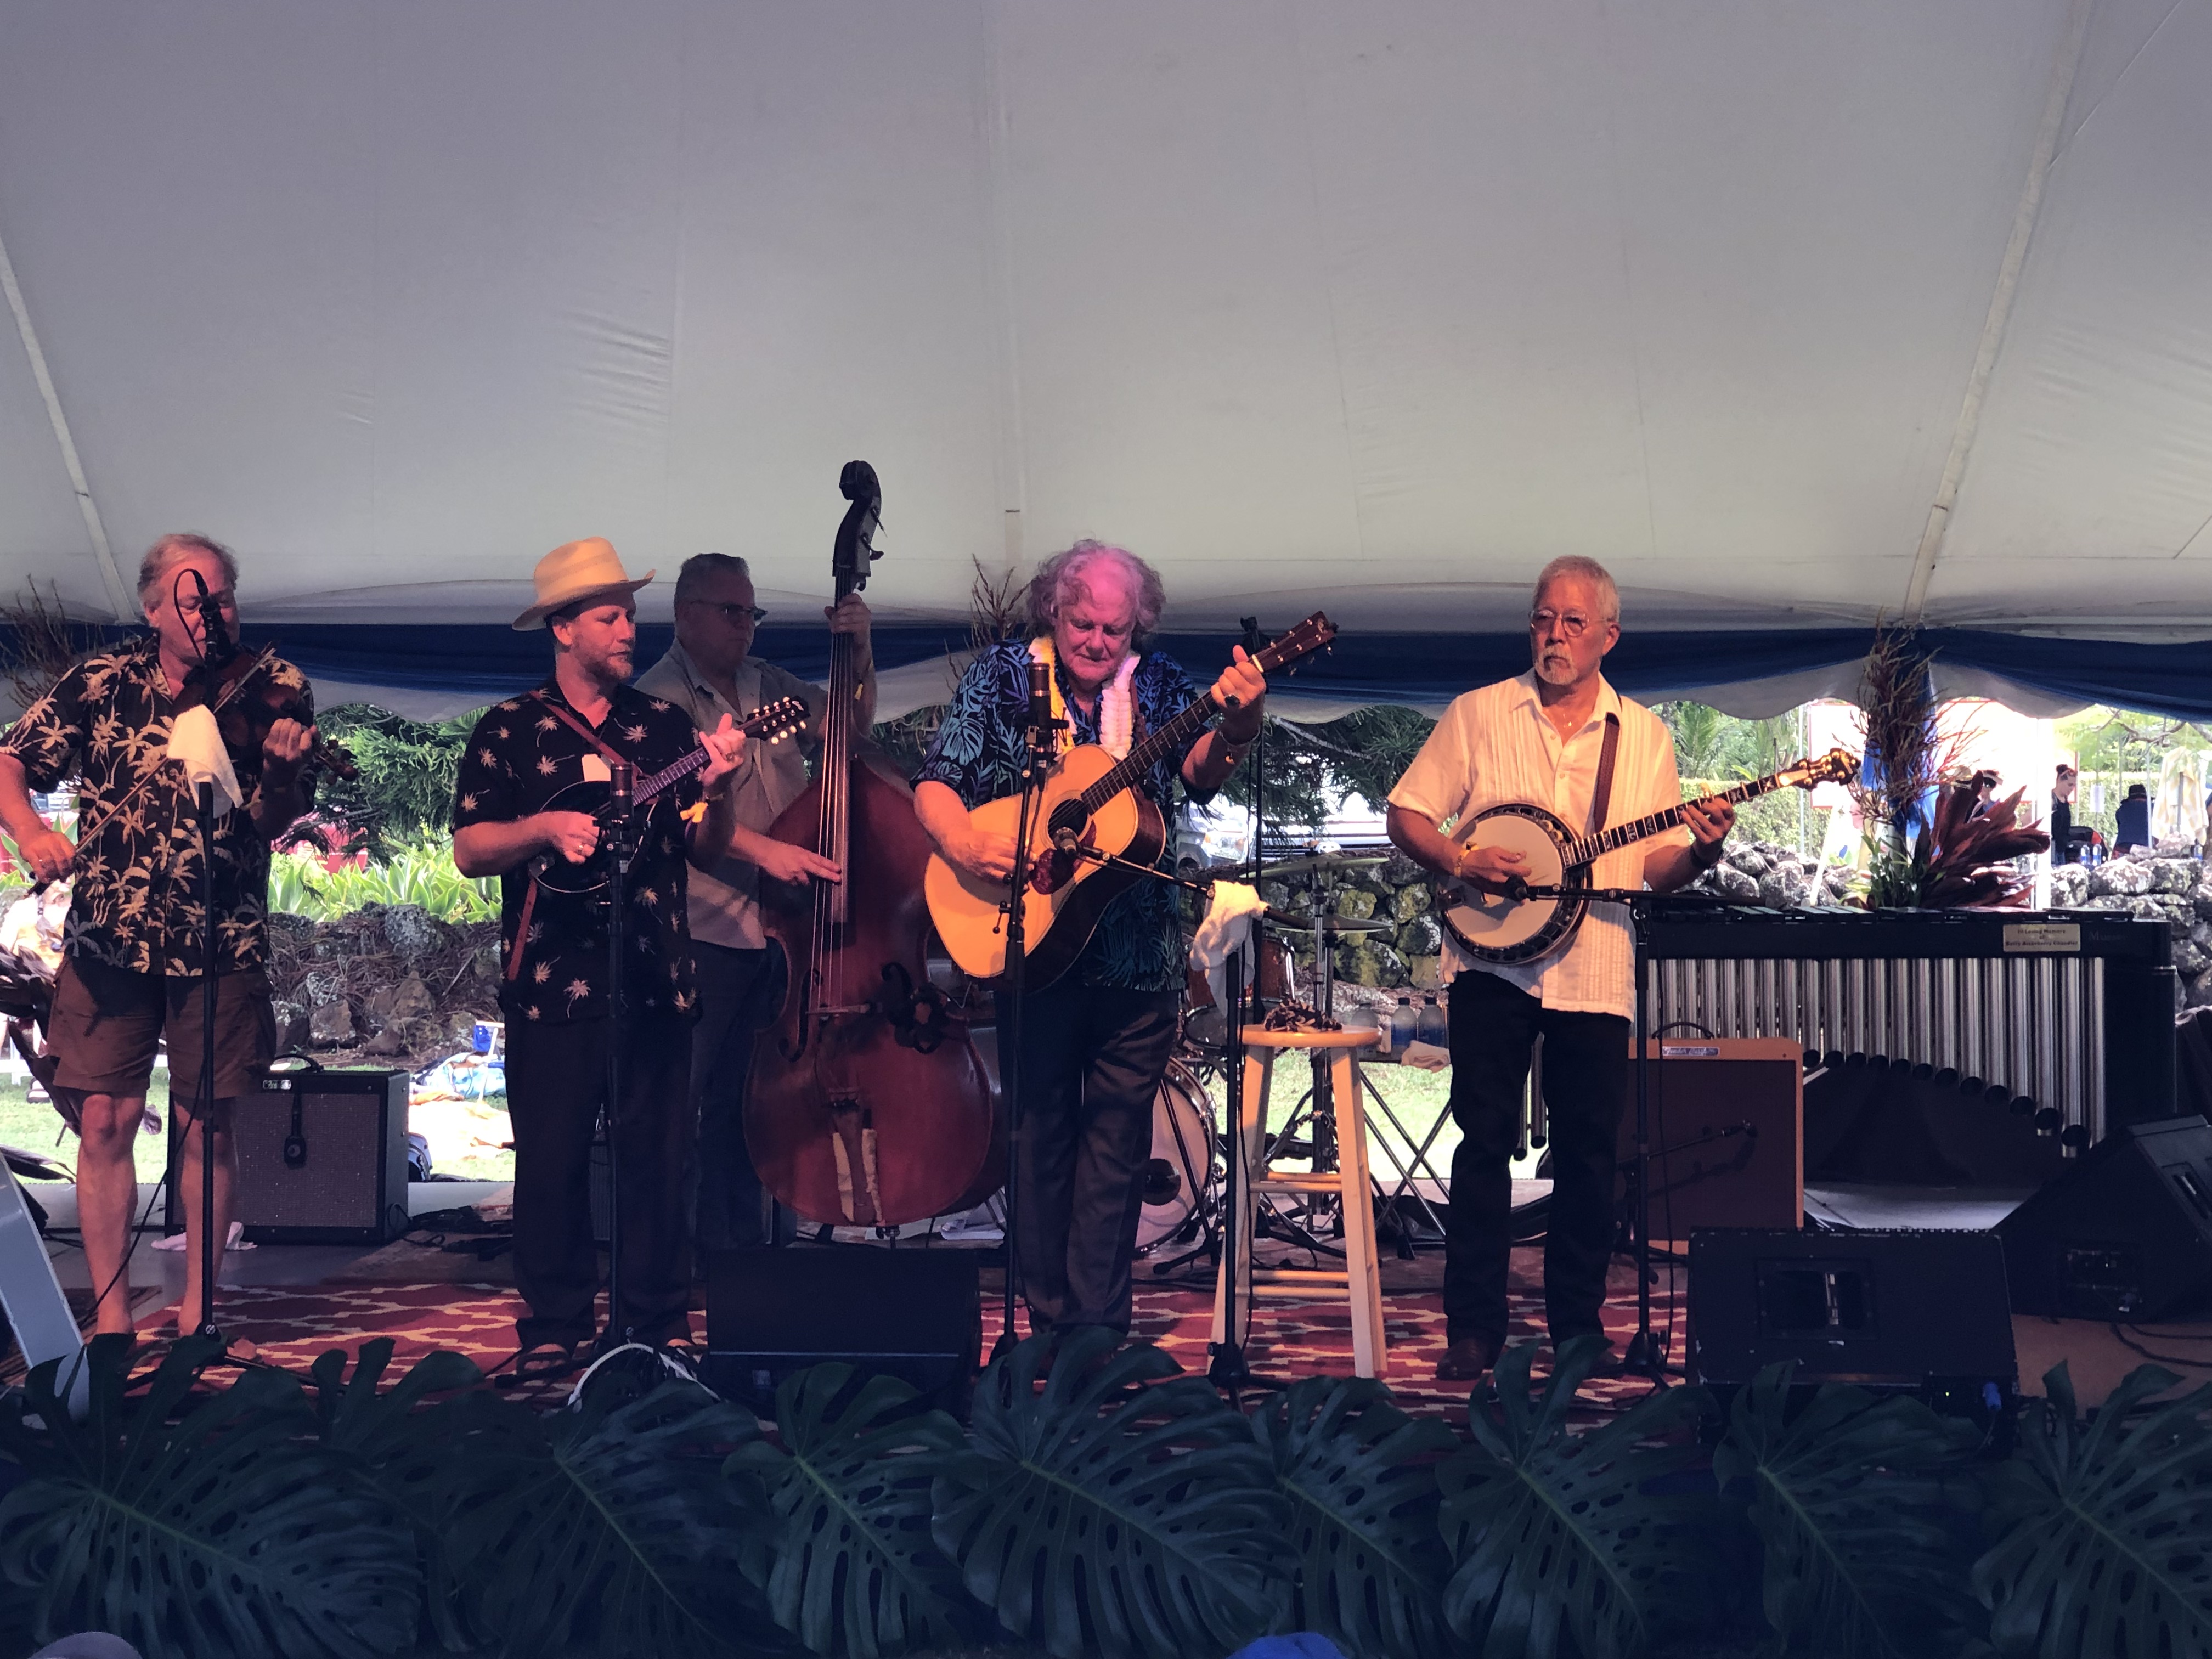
1014 1001
211 1248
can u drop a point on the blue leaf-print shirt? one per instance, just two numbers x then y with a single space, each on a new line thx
1139 945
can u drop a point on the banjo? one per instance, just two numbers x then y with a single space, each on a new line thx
1497 928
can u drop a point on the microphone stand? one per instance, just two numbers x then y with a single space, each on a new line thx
211 1248
621 843
1014 1004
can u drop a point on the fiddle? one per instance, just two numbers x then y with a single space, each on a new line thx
246 702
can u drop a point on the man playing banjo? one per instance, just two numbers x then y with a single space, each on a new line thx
1561 737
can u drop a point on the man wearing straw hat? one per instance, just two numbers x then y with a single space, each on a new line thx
556 957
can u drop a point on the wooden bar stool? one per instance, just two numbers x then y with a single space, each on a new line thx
1356 1281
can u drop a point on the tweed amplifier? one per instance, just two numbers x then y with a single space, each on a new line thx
322 1159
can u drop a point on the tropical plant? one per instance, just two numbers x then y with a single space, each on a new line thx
1554 1533
1845 1499
1358 1478
229 1530
1124 1510
2103 1529
851 1567
419 871
609 1527
408 1452
1958 859
408 770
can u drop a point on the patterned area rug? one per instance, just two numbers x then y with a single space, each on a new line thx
292 1326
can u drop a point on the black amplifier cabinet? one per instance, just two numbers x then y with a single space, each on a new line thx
322 1159
1921 1313
2126 1234
912 1314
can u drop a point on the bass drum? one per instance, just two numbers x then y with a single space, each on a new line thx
1182 1178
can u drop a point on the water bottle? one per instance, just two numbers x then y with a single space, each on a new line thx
1431 1027
1401 1027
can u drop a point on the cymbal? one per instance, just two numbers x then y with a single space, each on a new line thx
1291 921
1318 861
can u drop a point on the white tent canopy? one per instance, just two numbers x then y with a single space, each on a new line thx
1372 306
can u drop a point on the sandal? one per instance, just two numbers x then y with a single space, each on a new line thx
546 1362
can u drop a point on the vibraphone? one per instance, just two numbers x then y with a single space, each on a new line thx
2072 1011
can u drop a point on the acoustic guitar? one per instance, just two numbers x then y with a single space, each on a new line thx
1090 802
771 723
1496 927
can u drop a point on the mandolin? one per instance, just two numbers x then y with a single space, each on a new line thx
770 723
1496 927
1089 799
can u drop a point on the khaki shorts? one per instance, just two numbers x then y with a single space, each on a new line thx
106 1021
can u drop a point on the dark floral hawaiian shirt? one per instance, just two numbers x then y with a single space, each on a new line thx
1139 945
521 757
135 904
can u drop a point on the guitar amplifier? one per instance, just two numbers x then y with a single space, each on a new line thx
322 1159
1728 1134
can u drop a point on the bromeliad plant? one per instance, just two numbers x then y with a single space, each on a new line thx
1961 859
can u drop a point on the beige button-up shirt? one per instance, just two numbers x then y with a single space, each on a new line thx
725 904
1494 746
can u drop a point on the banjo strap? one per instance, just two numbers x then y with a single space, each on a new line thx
1602 797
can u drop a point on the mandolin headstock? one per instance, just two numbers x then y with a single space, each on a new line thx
772 722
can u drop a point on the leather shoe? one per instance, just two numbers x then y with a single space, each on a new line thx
1467 1358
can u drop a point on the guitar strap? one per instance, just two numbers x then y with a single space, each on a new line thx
1602 797
613 757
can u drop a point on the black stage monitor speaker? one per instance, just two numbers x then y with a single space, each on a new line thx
1923 1313
322 1159
912 1314
2126 1234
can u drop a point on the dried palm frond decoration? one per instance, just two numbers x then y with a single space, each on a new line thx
1905 758
37 644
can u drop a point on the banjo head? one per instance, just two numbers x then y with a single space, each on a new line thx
1493 929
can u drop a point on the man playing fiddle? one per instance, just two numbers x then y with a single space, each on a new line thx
556 956
710 675
135 953
1096 1040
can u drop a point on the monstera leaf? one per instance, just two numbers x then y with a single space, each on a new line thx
1840 1499
1106 1515
1359 1478
228 1531
1553 1531
410 1454
609 1529
851 1568
2104 1541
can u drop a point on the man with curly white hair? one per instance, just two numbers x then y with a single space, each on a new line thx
1096 1040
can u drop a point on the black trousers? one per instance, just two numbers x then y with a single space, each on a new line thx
1494 1027
738 990
556 1080
1091 1063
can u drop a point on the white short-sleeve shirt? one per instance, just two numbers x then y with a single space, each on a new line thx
1494 746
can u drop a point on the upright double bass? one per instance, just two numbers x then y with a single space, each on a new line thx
868 1105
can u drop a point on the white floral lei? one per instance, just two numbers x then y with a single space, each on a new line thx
1116 721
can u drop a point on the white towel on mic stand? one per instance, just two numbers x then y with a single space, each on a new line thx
1227 927
195 745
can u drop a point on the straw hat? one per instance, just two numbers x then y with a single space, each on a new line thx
574 571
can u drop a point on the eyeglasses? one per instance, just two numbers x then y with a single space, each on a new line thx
1573 623
734 614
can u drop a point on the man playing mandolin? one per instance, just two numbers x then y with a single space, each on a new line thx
1098 1039
134 956
1547 737
524 753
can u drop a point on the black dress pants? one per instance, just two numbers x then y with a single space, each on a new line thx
1494 1027
738 990
1091 1063
556 1079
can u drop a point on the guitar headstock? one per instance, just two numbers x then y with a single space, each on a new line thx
784 718
1836 766
1295 645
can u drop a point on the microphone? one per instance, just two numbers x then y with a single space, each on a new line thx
1516 888
1040 700
215 643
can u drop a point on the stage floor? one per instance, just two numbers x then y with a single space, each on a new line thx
295 1302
